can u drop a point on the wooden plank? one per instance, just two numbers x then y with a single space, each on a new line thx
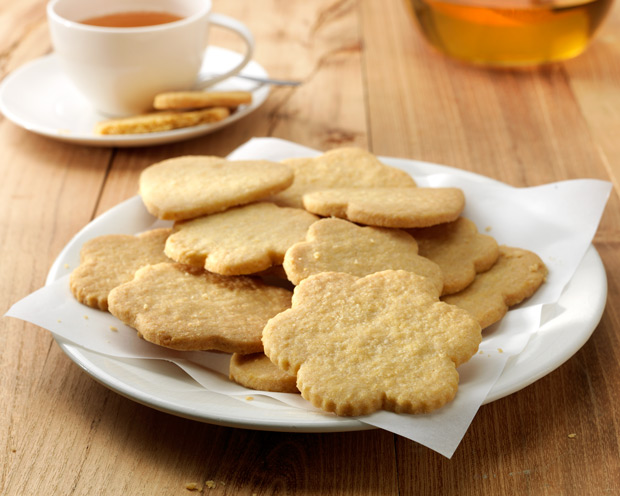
593 78
48 192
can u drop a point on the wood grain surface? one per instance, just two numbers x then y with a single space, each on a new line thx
369 80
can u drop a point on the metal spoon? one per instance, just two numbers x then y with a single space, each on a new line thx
275 82
262 80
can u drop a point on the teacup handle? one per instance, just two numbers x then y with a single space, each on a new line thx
226 22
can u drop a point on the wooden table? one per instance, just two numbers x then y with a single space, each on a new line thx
369 80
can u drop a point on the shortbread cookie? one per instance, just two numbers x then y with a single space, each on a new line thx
383 341
110 260
201 99
241 240
256 371
459 249
178 307
155 122
336 245
342 167
388 207
191 186
516 275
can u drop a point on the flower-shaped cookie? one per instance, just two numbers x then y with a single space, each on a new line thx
516 275
383 341
190 186
178 307
336 245
388 207
110 260
459 249
342 167
241 240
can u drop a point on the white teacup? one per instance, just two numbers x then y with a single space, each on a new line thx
120 69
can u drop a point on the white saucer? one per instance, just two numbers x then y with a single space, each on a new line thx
40 98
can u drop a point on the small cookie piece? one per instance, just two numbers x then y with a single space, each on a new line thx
190 186
388 207
182 308
336 245
342 167
110 260
201 99
383 341
459 249
516 275
156 122
241 240
256 371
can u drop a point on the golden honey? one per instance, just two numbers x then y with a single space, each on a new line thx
509 32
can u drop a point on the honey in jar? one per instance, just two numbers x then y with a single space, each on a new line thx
509 32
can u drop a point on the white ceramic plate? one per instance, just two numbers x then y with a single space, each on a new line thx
39 97
164 386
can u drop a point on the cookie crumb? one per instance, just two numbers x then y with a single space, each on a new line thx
67 266
499 350
249 398
488 229
210 484
114 329
86 317
59 321
572 435
192 486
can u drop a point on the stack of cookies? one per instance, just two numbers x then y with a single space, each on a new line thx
178 109
334 276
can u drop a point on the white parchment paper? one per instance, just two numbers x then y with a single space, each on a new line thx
557 221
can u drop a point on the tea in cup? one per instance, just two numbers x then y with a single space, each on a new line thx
121 53
509 32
